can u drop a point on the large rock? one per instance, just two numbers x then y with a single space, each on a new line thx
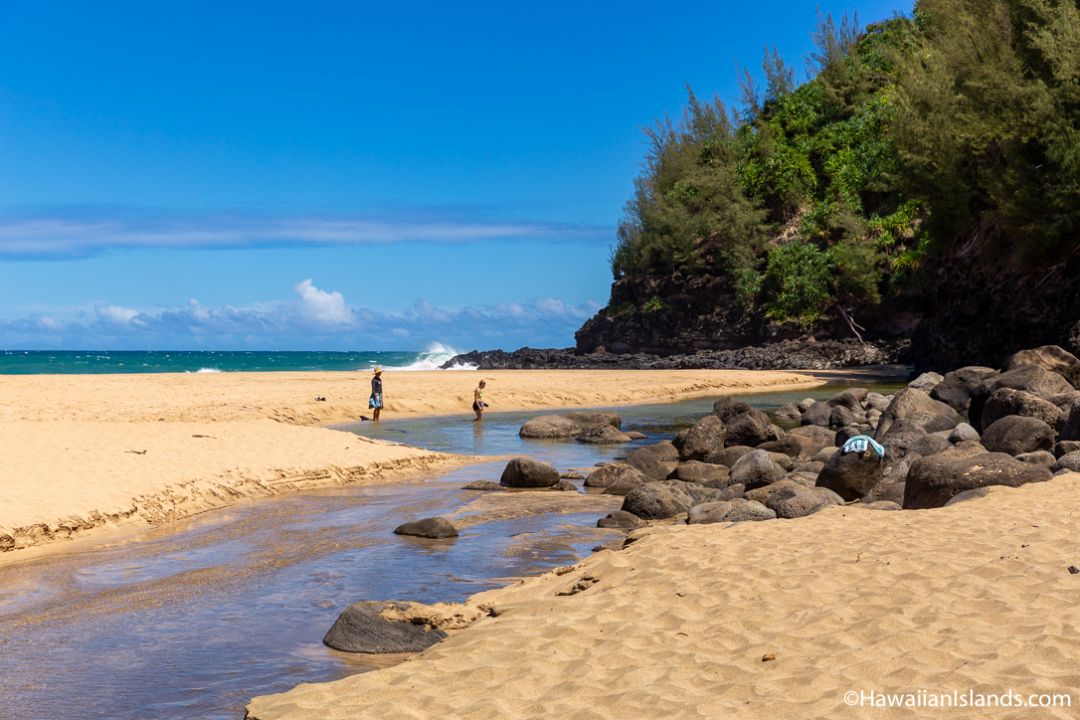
607 475
728 407
817 414
658 500
648 462
620 519
755 469
957 387
790 446
362 628
1007 401
851 399
664 451
435 527
933 480
528 473
813 438
736 510
706 436
891 486
915 410
1016 434
550 427
1029 378
603 435
963 432
700 472
926 382
791 502
595 419
851 475
750 428
1048 357
1068 461
728 456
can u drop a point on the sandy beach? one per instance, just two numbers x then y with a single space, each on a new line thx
774 620
86 451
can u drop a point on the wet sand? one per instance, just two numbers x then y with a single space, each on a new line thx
773 620
92 451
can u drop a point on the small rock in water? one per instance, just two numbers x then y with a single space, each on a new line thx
485 485
435 528
363 628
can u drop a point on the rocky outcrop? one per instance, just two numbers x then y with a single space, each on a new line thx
436 528
933 480
364 628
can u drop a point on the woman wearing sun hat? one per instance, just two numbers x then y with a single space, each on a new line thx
375 402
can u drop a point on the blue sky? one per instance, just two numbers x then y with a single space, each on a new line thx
339 175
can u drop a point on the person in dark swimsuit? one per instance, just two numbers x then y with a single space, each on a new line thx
375 402
478 404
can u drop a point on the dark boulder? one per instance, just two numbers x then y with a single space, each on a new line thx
700 472
436 528
915 410
550 427
595 419
817 414
1029 378
1048 357
706 436
603 435
658 500
851 475
1064 447
957 386
963 432
736 510
1069 461
1016 434
646 461
485 485
787 445
790 503
933 480
813 438
1038 457
620 519
926 382
750 428
755 469
728 407
607 475
363 628
664 451
728 456
1007 401
527 473
852 399
841 417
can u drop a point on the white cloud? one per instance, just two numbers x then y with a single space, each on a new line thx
314 319
321 307
116 314
79 231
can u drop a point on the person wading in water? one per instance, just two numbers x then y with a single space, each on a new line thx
478 404
375 402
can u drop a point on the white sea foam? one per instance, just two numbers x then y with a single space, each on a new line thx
433 358
208 370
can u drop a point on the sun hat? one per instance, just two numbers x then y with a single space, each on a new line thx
377 370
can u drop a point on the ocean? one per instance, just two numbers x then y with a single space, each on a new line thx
66 362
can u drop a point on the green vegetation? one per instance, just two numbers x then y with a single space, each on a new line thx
955 129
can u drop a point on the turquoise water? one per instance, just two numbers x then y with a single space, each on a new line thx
65 362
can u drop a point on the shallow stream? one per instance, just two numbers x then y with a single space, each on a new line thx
193 619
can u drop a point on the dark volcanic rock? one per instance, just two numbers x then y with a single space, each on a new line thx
915 410
787 445
755 469
728 407
750 428
548 427
736 510
1016 434
705 437
851 475
603 435
1049 357
818 414
594 419
612 473
527 473
1029 378
362 628
790 503
620 519
485 485
728 456
648 462
1007 401
958 386
700 472
436 528
658 500
932 481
